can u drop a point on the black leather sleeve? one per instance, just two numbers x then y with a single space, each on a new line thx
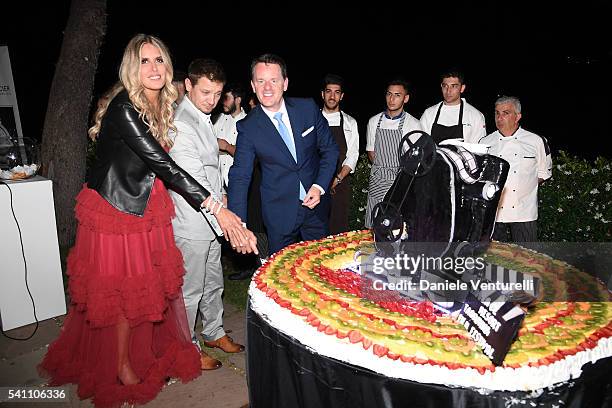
135 134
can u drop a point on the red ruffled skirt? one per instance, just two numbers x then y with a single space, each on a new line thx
123 265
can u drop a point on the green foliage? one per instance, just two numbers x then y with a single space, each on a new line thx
236 291
359 185
575 204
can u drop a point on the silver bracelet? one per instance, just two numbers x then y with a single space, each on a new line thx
217 207
214 205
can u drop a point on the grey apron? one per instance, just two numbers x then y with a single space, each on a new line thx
386 164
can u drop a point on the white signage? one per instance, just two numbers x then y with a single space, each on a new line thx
10 123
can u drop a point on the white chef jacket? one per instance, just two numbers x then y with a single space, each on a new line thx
473 122
351 134
225 128
410 124
530 159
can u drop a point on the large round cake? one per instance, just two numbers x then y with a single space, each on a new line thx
304 292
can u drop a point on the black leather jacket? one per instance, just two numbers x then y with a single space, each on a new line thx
128 158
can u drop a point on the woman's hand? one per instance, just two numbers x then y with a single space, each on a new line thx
234 230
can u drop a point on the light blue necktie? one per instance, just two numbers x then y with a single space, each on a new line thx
284 132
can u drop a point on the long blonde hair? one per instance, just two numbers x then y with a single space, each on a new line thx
103 103
159 120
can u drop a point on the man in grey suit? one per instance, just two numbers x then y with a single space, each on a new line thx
196 150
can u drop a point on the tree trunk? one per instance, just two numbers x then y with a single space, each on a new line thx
64 141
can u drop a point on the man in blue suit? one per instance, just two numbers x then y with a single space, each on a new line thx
297 154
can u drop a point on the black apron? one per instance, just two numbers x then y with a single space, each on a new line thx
340 200
441 132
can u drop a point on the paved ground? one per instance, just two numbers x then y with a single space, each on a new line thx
223 388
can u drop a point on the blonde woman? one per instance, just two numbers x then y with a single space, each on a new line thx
126 331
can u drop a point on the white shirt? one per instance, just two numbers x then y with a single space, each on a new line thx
351 134
225 128
529 159
285 118
410 124
473 121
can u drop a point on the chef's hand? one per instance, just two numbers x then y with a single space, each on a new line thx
335 183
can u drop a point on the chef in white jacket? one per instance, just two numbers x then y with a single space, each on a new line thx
530 164
225 127
453 117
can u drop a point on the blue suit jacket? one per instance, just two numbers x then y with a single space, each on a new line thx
317 154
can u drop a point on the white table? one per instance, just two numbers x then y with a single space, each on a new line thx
34 209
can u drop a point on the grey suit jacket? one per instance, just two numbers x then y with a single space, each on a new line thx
196 150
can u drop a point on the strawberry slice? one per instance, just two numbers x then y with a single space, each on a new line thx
330 331
366 343
304 312
569 352
341 334
552 358
355 336
544 361
379 350
406 359
392 356
595 337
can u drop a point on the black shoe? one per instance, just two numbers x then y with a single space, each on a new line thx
244 274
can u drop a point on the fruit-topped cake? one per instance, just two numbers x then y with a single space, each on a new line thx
306 292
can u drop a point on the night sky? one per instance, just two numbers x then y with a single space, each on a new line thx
556 59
